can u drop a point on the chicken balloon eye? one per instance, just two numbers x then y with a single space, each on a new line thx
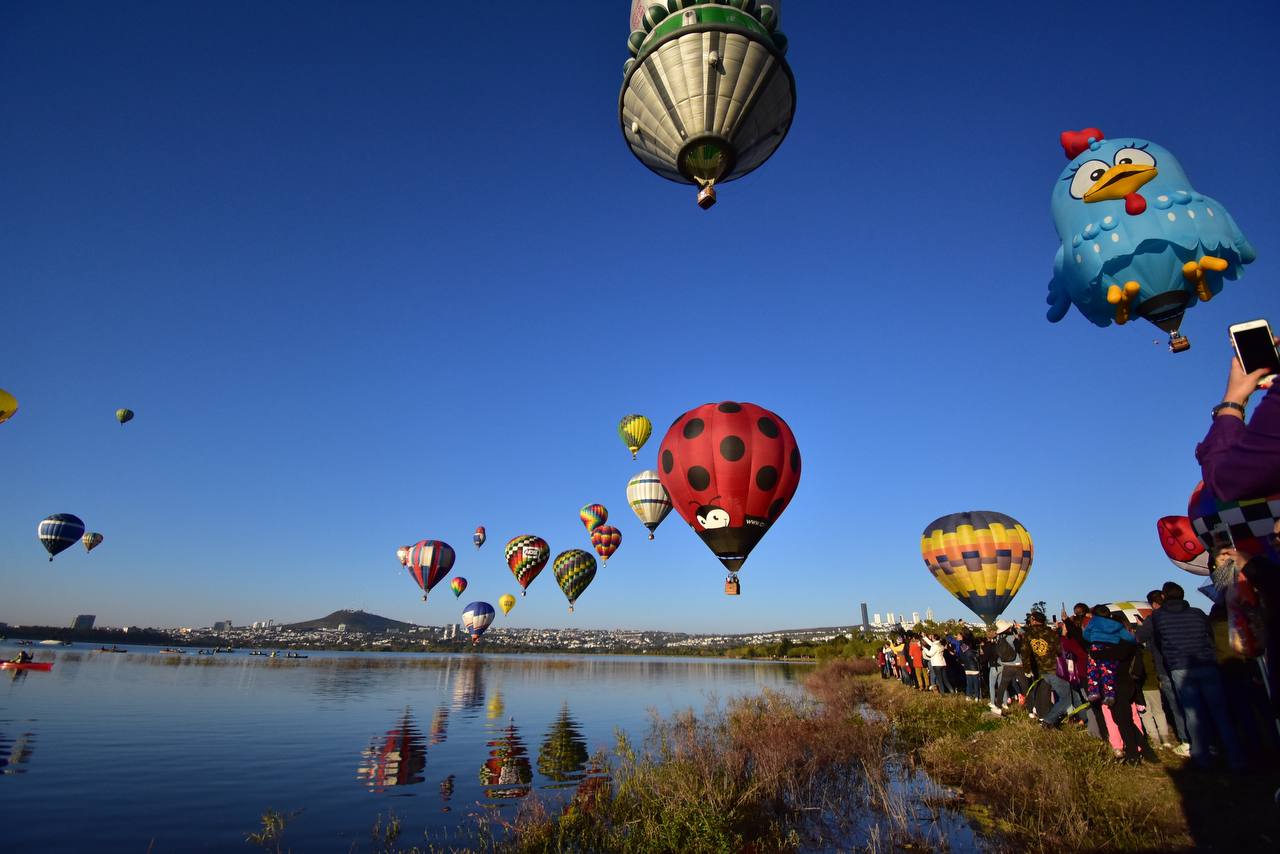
1086 176
1136 156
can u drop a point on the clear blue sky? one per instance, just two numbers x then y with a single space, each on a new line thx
382 271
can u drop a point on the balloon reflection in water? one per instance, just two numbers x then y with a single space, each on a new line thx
468 686
496 706
507 773
446 793
563 756
15 751
397 759
439 726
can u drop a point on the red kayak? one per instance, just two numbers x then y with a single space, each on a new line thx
30 665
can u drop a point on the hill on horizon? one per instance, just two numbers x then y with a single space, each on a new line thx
355 621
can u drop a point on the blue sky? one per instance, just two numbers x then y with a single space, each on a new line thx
376 272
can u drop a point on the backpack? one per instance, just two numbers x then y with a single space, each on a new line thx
1006 652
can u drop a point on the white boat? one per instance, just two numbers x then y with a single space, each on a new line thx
50 643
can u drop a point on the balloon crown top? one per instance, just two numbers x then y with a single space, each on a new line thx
1077 142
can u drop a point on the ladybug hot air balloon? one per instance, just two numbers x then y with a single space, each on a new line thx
606 540
980 556
730 469
1182 546
429 561
649 499
457 585
478 537
526 556
60 532
91 541
708 95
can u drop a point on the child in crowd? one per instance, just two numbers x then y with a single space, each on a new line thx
1100 634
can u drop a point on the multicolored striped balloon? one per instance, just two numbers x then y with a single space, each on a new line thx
649 499
574 570
606 540
526 555
593 516
91 541
476 618
429 561
60 532
457 585
981 557
634 430
478 537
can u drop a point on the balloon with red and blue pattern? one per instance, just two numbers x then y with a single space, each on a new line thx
606 540
476 619
429 562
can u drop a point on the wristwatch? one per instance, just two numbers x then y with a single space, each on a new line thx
1228 404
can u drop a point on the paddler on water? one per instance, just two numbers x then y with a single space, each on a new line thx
21 658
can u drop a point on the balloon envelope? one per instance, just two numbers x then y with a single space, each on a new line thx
606 540
59 532
593 516
1182 546
8 405
91 541
1250 522
124 415
478 537
731 469
981 557
506 602
574 570
429 561
402 555
649 499
526 555
457 585
476 618
634 430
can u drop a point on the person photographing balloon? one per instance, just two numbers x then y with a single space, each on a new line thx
1240 460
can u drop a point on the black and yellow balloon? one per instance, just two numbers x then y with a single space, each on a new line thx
8 405
634 430
124 415
981 557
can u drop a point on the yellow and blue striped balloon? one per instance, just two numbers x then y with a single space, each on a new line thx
981 557
634 430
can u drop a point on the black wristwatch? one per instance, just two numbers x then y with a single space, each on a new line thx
1228 404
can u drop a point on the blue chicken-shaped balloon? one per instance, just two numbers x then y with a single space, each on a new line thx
1137 239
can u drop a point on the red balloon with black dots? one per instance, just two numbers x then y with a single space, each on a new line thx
731 469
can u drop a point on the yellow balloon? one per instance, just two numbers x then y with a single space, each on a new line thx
8 405
506 602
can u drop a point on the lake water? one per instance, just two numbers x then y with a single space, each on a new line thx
146 751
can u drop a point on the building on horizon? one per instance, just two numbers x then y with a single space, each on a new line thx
221 626
915 617
876 622
889 618
928 614
866 624
83 622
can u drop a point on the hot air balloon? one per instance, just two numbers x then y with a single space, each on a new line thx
606 540
402 555
476 619
457 585
526 556
649 499
91 541
708 95
1182 546
980 556
730 469
1250 522
478 537
8 405
506 602
124 415
574 570
429 561
59 532
634 430
593 516
1135 611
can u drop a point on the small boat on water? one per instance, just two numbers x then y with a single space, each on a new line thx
25 643
204 652
295 655
26 665
256 652
174 651
113 648
52 643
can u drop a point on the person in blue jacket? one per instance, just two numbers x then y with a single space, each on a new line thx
1101 635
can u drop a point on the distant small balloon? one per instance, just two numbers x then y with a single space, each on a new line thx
478 537
606 540
402 555
124 415
457 585
91 541
8 405
506 602
634 430
593 516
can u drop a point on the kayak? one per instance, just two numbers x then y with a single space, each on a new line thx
30 665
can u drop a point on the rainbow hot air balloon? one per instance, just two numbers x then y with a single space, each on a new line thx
457 585
506 602
574 570
476 618
91 541
730 469
124 415
402 555
593 516
606 540
1182 546
8 405
649 499
429 561
478 537
59 532
634 430
526 556
981 557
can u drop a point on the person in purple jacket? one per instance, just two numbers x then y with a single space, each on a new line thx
1237 460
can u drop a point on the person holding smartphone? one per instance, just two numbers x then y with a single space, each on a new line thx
1238 460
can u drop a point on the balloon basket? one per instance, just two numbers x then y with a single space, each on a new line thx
651 535
1179 343
706 197
732 587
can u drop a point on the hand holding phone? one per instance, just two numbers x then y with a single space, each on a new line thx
1255 347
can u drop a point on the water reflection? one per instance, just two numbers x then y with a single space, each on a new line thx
563 756
468 685
439 725
446 793
397 759
15 752
496 706
507 773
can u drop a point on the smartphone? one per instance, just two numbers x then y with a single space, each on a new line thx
1256 348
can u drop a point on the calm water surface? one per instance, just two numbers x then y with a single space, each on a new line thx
188 751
